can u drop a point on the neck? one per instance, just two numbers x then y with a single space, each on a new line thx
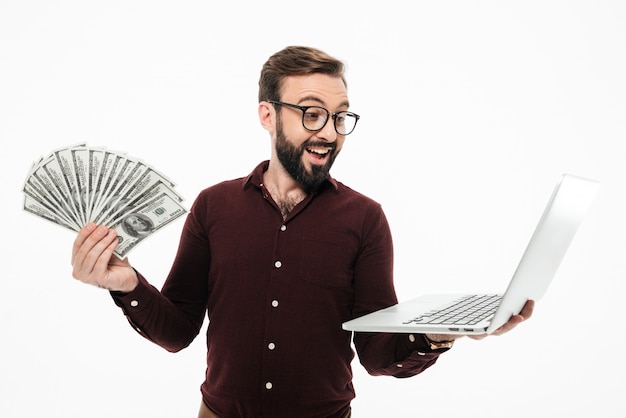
285 191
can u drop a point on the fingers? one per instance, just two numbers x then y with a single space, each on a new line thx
527 310
100 273
511 323
91 253
80 239
515 320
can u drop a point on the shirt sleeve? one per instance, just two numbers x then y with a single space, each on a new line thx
172 317
155 318
399 355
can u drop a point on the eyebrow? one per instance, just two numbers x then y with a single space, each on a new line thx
321 102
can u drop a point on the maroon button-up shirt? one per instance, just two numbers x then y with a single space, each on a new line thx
276 292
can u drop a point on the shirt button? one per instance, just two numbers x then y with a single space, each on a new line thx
412 338
271 346
277 264
275 303
283 227
268 385
134 303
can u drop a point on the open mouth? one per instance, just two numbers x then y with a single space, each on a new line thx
319 153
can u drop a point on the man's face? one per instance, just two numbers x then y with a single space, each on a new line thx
308 156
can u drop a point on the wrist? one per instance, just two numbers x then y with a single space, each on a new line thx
132 283
439 343
126 284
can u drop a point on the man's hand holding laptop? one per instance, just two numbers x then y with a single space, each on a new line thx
514 321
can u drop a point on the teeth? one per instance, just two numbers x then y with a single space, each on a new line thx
320 151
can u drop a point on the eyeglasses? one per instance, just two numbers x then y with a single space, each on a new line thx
314 118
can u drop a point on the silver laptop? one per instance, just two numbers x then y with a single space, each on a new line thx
484 313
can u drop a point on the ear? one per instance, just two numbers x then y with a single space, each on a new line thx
267 116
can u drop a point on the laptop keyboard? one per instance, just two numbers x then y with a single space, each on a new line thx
468 310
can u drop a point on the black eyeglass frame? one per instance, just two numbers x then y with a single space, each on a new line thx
329 115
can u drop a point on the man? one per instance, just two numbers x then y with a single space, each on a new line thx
278 259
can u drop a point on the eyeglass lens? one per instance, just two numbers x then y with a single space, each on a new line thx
314 119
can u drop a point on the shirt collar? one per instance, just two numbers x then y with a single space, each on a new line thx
256 178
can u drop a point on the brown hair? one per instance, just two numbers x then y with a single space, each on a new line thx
295 60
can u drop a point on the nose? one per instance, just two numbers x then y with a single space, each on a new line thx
328 132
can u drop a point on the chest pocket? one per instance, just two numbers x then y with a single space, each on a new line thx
327 258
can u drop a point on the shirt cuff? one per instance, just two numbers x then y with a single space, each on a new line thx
137 300
418 344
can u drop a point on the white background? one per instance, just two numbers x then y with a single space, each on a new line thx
470 112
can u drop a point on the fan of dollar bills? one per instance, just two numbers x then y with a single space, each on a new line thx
79 184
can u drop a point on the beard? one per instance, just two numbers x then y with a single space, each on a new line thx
290 157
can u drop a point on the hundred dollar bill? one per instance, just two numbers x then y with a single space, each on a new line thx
144 220
48 174
80 160
132 200
37 191
32 205
140 186
126 176
110 165
34 196
95 158
68 174
136 178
